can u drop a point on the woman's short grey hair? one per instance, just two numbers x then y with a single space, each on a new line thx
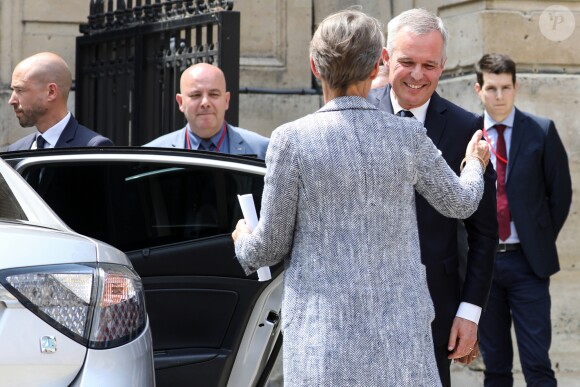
418 21
346 47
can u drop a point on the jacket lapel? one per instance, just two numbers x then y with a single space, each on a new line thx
236 143
435 119
180 138
516 141
68 134
29 141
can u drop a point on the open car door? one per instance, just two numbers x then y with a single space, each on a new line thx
172 212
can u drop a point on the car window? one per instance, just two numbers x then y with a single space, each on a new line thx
137 205
9 207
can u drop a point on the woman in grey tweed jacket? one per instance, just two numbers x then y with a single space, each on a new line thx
339 209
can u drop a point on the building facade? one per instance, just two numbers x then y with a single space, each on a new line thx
275 79
276 83
277 86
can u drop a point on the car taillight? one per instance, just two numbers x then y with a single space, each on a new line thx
100 306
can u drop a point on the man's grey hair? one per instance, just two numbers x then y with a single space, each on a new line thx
418 21
346 47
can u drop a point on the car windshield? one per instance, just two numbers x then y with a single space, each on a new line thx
9 206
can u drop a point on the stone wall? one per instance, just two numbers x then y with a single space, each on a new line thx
543 43
277 84
274 60
266 65
275 77
29 27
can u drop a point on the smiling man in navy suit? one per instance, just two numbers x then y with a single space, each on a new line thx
534 190
40 87
414 58
203 100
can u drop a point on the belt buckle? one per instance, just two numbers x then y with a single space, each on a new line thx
502 247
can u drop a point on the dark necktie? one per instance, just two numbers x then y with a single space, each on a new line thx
206 146
503 210
405 113
40 142
35 176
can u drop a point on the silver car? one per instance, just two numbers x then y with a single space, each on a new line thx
172 212
72 309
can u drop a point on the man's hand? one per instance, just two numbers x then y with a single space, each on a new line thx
468 359
463 339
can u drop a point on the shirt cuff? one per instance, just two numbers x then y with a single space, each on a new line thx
469 312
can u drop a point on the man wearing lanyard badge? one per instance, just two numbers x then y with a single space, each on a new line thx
203 99
534 194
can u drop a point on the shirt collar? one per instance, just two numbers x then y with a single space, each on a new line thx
52 134
489 122
419 112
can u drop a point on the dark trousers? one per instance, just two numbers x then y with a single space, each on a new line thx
517 295
443 364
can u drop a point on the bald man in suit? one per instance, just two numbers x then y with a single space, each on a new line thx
40 87
203 99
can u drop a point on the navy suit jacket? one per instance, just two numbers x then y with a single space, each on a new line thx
539 189
451 128
74 134
240 141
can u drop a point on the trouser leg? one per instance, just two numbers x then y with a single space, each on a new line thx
530 305
443 364
495 339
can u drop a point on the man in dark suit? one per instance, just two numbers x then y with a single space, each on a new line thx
534 196
40 88
203 99
414 58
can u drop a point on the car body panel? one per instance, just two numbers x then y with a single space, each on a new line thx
21 361
59 247
33 236
172 212
103 368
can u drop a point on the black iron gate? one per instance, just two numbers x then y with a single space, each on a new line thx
130 58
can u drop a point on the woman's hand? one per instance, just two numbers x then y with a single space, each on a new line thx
479 149
241 228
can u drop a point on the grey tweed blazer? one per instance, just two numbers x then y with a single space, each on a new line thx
339 209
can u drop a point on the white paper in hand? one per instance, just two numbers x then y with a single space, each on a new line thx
251 218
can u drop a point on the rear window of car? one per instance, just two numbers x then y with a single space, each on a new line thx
9 206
